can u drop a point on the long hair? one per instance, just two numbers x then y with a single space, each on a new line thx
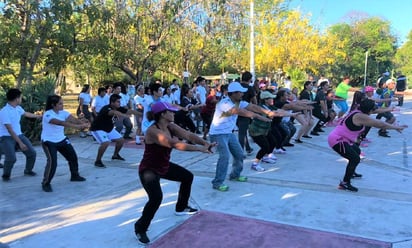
357 99
154 117
85 88
52 101
367 105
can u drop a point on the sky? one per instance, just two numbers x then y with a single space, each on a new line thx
328 12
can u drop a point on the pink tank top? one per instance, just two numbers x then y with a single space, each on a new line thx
343 134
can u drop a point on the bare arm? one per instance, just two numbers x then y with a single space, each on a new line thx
363 119
70 122
31 115
157 136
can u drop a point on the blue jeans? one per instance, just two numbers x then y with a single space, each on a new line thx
227 144
8 145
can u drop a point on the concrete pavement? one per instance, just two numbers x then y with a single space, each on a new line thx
300 190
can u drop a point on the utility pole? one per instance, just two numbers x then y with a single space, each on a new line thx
252 41
366 67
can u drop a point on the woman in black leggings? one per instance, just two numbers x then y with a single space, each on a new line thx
160 139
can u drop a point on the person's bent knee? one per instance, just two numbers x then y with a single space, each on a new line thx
105 144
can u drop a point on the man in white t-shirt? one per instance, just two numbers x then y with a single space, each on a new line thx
221 132
11 135
156 93
99 101
186 76
175 88
120 90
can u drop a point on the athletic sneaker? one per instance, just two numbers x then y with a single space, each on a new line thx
99 164
30 173
347 186
221 188
256 166
279 151
118 157
142 238
47 187
77 178
140 235
268 160
241 179
356 175
187 211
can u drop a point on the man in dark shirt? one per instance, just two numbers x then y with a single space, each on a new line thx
103 130
243 122
400 88
320 108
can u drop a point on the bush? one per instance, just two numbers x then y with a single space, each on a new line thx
34 101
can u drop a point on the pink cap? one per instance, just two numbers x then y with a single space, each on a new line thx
369 89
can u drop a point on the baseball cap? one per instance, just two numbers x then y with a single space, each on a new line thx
163 106
389 81
235 86
266 95
369 89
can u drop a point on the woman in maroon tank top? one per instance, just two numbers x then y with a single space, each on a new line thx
161 137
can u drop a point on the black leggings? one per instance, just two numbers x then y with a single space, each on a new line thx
266 144
352 154
151 183
66 149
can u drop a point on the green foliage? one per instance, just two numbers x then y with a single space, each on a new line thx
34 101
87 42
403 59
370 35
297 76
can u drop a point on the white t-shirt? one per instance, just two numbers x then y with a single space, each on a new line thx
288 84
176 97
202 94
12 116
52 132
124 101
86 98
99 102
169 99
223 124
147 103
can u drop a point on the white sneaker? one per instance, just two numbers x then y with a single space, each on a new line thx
268 160
257 167
279 151
272 156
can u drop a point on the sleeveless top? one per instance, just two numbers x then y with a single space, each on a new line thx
346 131
155 158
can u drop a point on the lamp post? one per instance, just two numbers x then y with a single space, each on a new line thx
366 67
252 41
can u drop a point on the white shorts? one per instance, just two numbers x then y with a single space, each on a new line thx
102 136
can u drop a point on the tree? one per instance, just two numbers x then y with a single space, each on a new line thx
31 37
403 57
361 35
